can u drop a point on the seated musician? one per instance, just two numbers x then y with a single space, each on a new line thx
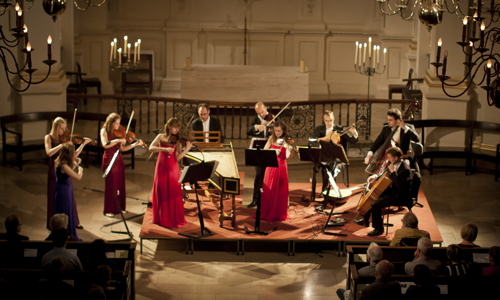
258 129
403 134
396 194
206 123
324 131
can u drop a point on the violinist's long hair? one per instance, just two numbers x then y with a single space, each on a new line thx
66 156
172 122
56 125
108 125
283 126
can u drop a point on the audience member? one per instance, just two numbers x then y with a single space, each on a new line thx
383 287
13 227
494 268
424 287
409 229
112 288
54 288
98 257
59 221
96 293
457 267
71 261
373 256
469 235
422 256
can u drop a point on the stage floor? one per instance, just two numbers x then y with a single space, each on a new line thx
305 223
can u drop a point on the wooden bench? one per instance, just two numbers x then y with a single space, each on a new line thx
27 255
399 256
471 129
12 129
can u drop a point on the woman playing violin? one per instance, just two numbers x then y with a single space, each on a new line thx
64 200
274 201
166 195
53 143
115 181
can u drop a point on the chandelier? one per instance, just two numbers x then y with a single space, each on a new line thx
20 66
430 12
481 57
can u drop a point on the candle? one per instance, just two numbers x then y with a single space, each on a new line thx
464 30
135 52
445 60
128 52
28 51
356 53
119 56
125 39
19 19
302 66
49 46
385 55
369 47
139 49
483 27
474 25
188 63
374 54
111 52
364 53
114 49
359 56
438 54
488 73
25 29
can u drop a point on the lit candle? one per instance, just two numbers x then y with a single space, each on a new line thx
139 49
49 46
25 29
119 56
464 30
359 56
364 53
28 51
385 55
302 66
114 49
135 52
19 19
369 47
378 54
488 72
128 52
483 27
374 55
438 54
356 53
125 39
111 52
188 63
474 25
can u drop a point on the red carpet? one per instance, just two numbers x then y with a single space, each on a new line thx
305 223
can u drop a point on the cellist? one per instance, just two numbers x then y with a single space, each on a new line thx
396 194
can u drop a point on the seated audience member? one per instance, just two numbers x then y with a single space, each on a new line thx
96 293
383 287
457 267
98 257
59 221
373 256
54 287
13 227
71 261
423 288
409 229
469 235
112 288
494 268
422 257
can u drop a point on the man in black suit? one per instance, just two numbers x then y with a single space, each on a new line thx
13 227
396 194
403 134
325 129
206 123
258 129
383 287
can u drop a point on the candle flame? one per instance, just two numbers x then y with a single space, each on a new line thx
440 42
465 20
49 40
25 28
489 64
28 47
483 26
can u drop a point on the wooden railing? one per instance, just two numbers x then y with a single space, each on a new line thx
302 116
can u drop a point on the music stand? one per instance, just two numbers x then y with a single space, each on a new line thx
263 159
192 174
311 154
331 152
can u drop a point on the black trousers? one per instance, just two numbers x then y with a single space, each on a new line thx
386 199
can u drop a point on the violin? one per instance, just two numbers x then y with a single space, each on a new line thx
129 136
76 139
290 142
174 138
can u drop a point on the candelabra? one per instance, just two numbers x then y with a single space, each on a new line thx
368 68
24 66
480 55
120 58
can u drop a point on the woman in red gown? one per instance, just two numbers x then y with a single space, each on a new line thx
274 200
52 148
114 188
166 195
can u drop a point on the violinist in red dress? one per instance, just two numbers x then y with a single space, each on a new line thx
166 195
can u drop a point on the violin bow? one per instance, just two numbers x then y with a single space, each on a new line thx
279 112
73 125
129 122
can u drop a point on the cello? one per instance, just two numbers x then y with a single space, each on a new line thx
377 187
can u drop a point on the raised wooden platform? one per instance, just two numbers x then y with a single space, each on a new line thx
305 224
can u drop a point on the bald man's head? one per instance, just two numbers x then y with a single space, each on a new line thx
261 109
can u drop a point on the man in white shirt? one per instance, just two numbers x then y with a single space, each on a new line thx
206 122
71 261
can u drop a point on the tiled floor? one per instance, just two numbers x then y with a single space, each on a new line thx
165 272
